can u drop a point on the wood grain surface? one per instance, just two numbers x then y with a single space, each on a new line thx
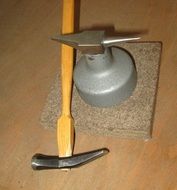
28 65
65 123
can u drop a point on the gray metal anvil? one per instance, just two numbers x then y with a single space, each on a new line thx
104 75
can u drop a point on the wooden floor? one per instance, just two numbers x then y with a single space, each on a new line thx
28 64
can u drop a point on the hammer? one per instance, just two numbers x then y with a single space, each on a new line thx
65 124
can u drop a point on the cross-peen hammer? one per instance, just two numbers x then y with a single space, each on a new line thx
65 128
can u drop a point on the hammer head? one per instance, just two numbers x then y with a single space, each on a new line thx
40 161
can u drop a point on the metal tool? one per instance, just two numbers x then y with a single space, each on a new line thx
105 75
91 42
65 125
41 162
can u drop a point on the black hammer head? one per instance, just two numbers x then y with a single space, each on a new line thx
40 161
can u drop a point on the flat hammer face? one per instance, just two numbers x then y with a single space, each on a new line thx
41 162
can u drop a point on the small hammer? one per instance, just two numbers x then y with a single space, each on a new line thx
65 128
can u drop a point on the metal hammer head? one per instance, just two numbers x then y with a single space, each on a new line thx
40 161
91 42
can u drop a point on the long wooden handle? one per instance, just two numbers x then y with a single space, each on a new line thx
65 128
67 56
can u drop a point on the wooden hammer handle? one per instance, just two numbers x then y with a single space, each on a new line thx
65 128
67 56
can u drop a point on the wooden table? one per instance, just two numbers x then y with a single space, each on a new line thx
28 65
